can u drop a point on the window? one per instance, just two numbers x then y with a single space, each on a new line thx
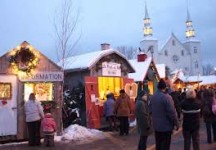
182 52
5 91
165 53
196 64
173 42
43 90
175 58
186 68
195 49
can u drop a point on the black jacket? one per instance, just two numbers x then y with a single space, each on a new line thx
191 114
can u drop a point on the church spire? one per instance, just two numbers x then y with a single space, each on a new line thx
190 32
147 23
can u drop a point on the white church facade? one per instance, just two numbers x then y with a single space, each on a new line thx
174 53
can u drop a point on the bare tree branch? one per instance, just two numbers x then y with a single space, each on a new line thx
65 25
207 69
129 52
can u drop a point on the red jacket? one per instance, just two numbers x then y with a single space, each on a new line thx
48 123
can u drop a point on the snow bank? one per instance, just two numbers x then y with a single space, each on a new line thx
133 123
79 133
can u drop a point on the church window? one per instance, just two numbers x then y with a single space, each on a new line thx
165 53
173 42
175 58
195 49
182 52
196 64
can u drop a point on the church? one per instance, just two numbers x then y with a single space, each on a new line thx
174 53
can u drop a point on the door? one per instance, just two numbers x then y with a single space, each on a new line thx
93 118
8 105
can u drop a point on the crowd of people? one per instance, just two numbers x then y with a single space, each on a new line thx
163 112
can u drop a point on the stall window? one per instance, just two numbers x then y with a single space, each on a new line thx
109 84
42 90
5 91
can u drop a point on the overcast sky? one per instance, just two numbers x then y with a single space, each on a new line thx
118 22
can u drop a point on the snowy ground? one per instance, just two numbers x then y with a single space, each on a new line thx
76 133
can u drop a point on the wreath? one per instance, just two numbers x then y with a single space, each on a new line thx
24 60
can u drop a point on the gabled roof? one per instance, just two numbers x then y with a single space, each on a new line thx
161 68
203 80
171 36
25 43
88 60
141 69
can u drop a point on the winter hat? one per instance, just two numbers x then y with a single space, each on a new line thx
161 84
141 93
122 91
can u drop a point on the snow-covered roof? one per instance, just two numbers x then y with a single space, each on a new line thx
168 39
141 68
87 60
208 80
204 80
161 68
148 38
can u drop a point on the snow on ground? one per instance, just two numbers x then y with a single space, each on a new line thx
133 123
80 134
76 133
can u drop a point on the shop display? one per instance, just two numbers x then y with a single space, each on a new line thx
43 90
5 91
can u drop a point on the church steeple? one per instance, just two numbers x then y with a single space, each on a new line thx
147 23
190 32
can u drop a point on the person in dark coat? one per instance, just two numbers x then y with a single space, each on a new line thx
176 98
191 108
123 110
109 112
143 119
164 116
209 117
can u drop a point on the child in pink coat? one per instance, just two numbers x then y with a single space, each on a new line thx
49 128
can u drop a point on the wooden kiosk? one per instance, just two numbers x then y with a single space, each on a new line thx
24 70
100 72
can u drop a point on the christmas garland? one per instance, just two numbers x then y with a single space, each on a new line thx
24 60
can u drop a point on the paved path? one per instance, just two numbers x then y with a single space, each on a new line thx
115 142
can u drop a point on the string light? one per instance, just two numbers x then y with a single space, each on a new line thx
22 59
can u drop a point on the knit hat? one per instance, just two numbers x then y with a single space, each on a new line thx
141 93
161 84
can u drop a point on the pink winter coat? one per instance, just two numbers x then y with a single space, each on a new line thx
48 123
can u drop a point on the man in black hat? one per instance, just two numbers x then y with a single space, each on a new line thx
164 116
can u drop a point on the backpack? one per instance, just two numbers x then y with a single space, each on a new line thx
214 107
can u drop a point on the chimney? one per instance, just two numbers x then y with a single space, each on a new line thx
141 57
105 46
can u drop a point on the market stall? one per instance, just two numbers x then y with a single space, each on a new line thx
100 72
24 70
146 74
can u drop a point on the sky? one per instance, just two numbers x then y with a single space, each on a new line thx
117 22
